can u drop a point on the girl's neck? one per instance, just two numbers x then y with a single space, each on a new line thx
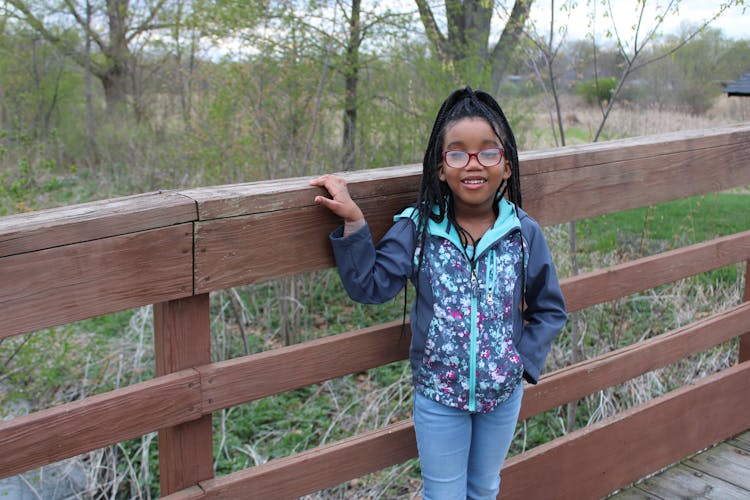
475 223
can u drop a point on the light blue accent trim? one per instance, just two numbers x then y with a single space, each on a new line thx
473 355
507 221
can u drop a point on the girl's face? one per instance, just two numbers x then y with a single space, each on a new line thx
474 186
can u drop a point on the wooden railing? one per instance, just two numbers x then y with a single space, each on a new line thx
172 249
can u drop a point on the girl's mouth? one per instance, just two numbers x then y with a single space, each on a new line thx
474 181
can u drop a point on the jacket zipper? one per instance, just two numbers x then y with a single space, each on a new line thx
473 343
491 276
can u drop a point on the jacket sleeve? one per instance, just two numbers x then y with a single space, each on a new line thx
544 316
373 275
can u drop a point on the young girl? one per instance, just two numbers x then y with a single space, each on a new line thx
488 301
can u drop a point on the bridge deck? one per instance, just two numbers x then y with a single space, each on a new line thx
721 473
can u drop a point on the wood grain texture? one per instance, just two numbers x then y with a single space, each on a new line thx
280 223
269 196
586 191
47 436
687 483
558 185
624 279
741 441
240 380
744 347
596 460
28 232
726 462
584 378
243 250
182 339
74 282
323 467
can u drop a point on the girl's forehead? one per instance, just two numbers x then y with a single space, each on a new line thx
475 128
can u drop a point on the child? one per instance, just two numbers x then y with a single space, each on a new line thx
488 300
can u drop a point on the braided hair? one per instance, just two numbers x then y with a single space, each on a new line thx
434 193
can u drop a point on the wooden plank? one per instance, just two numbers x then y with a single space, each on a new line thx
65 284
239 250
725 462
632 148
584 378
47 436
629 159
240 380
28 232
557 196
596 460
577 193
741 441
182 339
248 378
683 482
744 347
322 467
649 272
269 196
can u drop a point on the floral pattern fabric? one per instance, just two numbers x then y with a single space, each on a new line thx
444 374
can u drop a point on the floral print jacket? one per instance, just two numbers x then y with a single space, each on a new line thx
471 342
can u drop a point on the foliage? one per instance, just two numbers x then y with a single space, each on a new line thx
597 91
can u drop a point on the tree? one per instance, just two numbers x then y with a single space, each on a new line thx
635 53
466 41
114 26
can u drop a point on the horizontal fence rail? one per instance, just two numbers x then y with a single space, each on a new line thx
172 249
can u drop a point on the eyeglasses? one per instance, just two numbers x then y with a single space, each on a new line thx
486 157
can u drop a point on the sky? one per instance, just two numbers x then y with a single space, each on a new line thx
734 22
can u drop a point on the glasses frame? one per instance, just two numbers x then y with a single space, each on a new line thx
474 155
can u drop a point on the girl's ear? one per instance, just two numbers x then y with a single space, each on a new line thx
507 170
441 172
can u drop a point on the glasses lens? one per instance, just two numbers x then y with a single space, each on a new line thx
456 159
490 157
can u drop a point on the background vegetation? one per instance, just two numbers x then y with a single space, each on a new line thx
100 99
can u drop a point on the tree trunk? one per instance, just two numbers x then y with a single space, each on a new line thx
351 72
115 83
502 54
90 130
466 42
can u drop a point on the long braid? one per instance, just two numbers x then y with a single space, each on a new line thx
435 199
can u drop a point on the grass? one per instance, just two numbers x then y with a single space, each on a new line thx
679 222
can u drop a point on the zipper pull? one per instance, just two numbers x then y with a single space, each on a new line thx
490 301
474 283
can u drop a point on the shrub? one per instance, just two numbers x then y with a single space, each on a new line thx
597 91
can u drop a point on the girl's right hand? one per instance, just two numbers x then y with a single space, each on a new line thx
340 202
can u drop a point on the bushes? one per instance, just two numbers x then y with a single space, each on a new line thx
597 90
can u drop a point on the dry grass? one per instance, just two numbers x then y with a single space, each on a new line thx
581 121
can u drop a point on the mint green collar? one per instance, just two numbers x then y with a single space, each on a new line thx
506 221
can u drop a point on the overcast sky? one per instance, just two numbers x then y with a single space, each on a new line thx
733 22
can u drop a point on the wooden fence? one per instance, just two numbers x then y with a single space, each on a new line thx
172 249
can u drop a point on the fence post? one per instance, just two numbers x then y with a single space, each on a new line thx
182 339
744 354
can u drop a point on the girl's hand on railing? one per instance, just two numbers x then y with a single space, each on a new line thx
340 202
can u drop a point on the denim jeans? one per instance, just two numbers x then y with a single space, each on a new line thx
461 453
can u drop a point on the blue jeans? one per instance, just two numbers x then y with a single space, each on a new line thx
461 453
